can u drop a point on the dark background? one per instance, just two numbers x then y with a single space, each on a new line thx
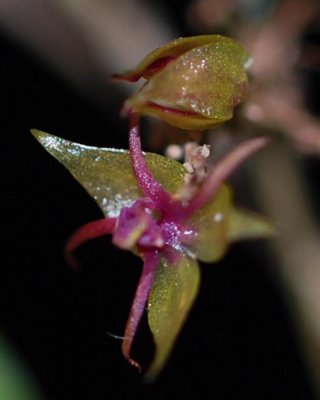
239 340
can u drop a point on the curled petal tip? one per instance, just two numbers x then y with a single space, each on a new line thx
126 348
127 77
134 364
71 260
86 232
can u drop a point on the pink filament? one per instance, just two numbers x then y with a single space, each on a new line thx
86 232
171 110
151 260
149 70
222 171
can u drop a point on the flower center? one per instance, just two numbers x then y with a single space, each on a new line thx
142 226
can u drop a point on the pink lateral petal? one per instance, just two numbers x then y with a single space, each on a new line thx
222 171
147 183
151 260
87 232
128 77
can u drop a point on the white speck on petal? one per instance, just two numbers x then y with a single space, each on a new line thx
218 217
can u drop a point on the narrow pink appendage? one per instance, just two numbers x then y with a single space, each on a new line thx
147 183
149 70
87 232
171 110
151 260
222 171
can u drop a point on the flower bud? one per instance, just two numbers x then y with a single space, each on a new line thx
192 83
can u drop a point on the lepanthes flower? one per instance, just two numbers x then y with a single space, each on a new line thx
143 211
149 208
192 83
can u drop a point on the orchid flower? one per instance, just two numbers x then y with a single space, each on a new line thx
149 206
144 214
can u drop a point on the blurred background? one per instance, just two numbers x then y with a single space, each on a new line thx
254 331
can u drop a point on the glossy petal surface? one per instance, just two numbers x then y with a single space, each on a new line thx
172 295
219 224
107 174
206 82
245 225
170 50
212 224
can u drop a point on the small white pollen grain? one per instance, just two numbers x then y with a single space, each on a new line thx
218 217
174 151
249 62
254 112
